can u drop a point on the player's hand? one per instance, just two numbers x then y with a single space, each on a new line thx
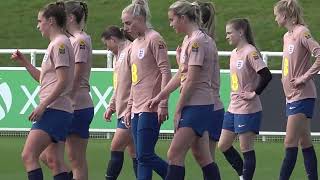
178 52
247 95
127 119
107 115
37 113
162 114
176 119
18 56
299 81
153 102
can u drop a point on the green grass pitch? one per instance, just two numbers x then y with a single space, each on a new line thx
269 158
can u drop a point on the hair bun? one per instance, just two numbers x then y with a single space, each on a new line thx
140 2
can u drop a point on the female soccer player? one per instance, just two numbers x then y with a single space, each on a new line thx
77 140
77 15
114 40
249 77
298 86
195 108
208 20
150 71
53 115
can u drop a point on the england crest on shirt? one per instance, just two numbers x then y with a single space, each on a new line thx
121 57
45 57
141 53
239 64
290 48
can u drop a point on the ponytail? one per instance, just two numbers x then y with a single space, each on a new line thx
208 18
77 8
291 10
243 24
57 11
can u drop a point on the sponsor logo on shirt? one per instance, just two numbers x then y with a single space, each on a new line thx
290 48
255 55
241 125
82 44
239 64
62 50
141 53
161 45
122 55
195 47
307 35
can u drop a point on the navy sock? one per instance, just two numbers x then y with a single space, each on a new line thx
71 175
211 172
234 158
249 164
288 163
62 176
310 163
135 166
175 172
35 174
115 165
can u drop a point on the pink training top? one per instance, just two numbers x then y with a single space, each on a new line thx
59 54
81 43
149 63
297 49
216 82
121 80
199 50
244 65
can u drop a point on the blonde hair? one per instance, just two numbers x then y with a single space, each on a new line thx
139 8
191 10
291 10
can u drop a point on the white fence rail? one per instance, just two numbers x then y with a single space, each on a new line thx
33 58
34 52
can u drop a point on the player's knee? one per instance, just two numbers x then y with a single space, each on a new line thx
43 158
55 163
222 146
291 141
28 157
118 146
196 154
132 153
200 157
245 147
174 156
305 142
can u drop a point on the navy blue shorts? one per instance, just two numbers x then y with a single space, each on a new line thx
215 126
121 123
242 123
54 122
81 122
304 106
197 117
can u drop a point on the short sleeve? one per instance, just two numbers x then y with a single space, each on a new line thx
61 55
81 51
196 51
256 61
